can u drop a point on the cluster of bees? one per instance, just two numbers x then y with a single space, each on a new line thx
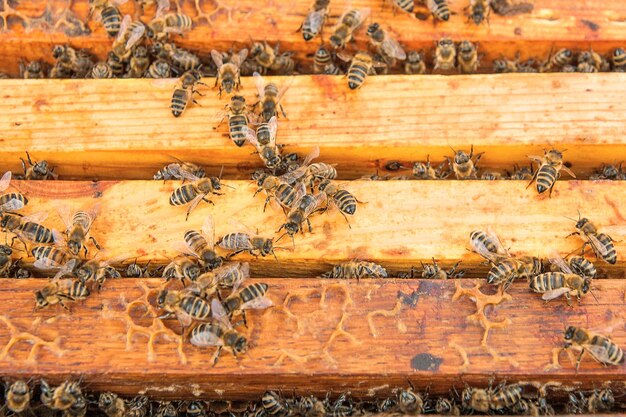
523 398
566 60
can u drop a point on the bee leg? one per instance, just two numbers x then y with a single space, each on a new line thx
23 165
580 358
308 222
282 110
243 317
345 217
95 243
216 356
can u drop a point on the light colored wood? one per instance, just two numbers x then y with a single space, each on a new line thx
348 336
114 129
554 23
401 224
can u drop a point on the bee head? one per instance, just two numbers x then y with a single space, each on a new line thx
215 183
414 57
586 286
443 406
466 396
582 223
40 300
213 262
569 333
292 228
74 246
268 246
606 396
618 52
461 157
106 399
19 387
192 272
466 46
241 345
57 51
322 52
83 273
336 41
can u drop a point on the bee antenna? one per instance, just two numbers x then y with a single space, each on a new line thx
572 219
227 186
594 296
281 236
452 149
221 172
578 214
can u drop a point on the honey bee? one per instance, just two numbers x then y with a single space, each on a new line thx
166 409
112 405
255 245
201 244
356 269
136 271
139 62
238 119
561 58
478 11
435 272
302 209
555 284
463 166
506 270
609 172
163 24
322 59
409 402
405 5
522 173
269 97
172 171
67 397
185 90
467 57
97 270
549 170
601 348
439 9
269 152
220 334
129 35
385 45
195 191
618 59
347 24
27 228
314 20
601 243
445 55
187 307
108 12
115 64
37 170
414 63
10 201
275 406
59 291
159 69
48 257
32 70
310 406
101 71
339 409
594 61
487 244
600 401
78 225
447 407
228 276
476 399
18 396
251 297
361 66
582 266
424 171
6 262
181 59
270 58
195 409
139 406
340 198
505 396
183 267
228 76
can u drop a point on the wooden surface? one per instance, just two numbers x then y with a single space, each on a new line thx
557 23
342 333
401 224
112 129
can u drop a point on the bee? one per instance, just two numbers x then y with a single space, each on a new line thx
78 225
275 406
172 171
251 297
522 173
59 291
601 348
322 59
609 172
112 405
506 270
310 406
385 45
439 9
195 191
302 209
186 307
435 272
476 399
555 284
10 201
569 68
504 65
6 262
228 276
269 152
447 407
181 59
601 243
139 62
47 257
356 269
195 409
423 171
183 267
549 170
166 409
582 266
37 170
228 76
255 245
135 271
487 244
600 401
32 70
618 59
347 24
238 119
101 70
139 407
97 270
414 63
159 69
164 24
201 244
270 58
405 5
409 402
505 396
220 334
561 58
445 55
340 198
129 35
594 61
314 20
467 57
108 12
463 166
478 11
115 64
185 90
269 97
361 66
18 396
27 228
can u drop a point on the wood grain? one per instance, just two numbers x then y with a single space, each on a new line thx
401 224
554 23
365 337
123 129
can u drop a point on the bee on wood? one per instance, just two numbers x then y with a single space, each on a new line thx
251 297
181 59
97 270
361 65
37 170
270 58
507 270
591 61
356 269
18 396
609 172
385 44
414 63
310 406
600 401
187 307
227 277
27 228
6 262
435 272
447 407
173 171
410 402
487 244
505 396
183 267
269 152
463 166
439 9
228 75
618 59
340 198
558 60
275 406
185 90
556 284
467 57
255 245
424 171
314 20
601 243
60 291
201 244
112 405
78 225
347 24
300 212
159 69
196 191
134 270
49 257
549 170
139 62
445 55
129 35
101 71
269 97
522 173
341 407
11 201
162 25
108 12
478 11
476 399
238 119
220 334
322 59
32 70
601 348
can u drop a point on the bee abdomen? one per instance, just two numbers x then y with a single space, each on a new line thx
196 307
546 178
440 9
195 240
547 282
78 290
235 241
182 195
345 201
370 270
178 20
406 5
37 232
253 291
500 272
285 194
111 20
610 254
613 352
273 405
204 333
238 126
5 198
356 76
507 397
179 101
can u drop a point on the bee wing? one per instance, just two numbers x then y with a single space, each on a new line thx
12 205
59 238
484 252
245 274
208 230
183 248
552 294
37 217
556 259
65 214
597 245
66 269
273 127
183 317
320 199
126 21
135 36
316 20
163 6
259 82
251 137
600 353
292 176
217 310
500 247
5 181
284 89
179 172
392 48
195 202
218 59
238 58
257 304
206 339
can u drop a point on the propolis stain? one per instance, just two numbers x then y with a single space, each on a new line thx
426 362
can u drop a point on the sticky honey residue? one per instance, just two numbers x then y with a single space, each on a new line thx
153 331
16 336
386 313
228 6
464 356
